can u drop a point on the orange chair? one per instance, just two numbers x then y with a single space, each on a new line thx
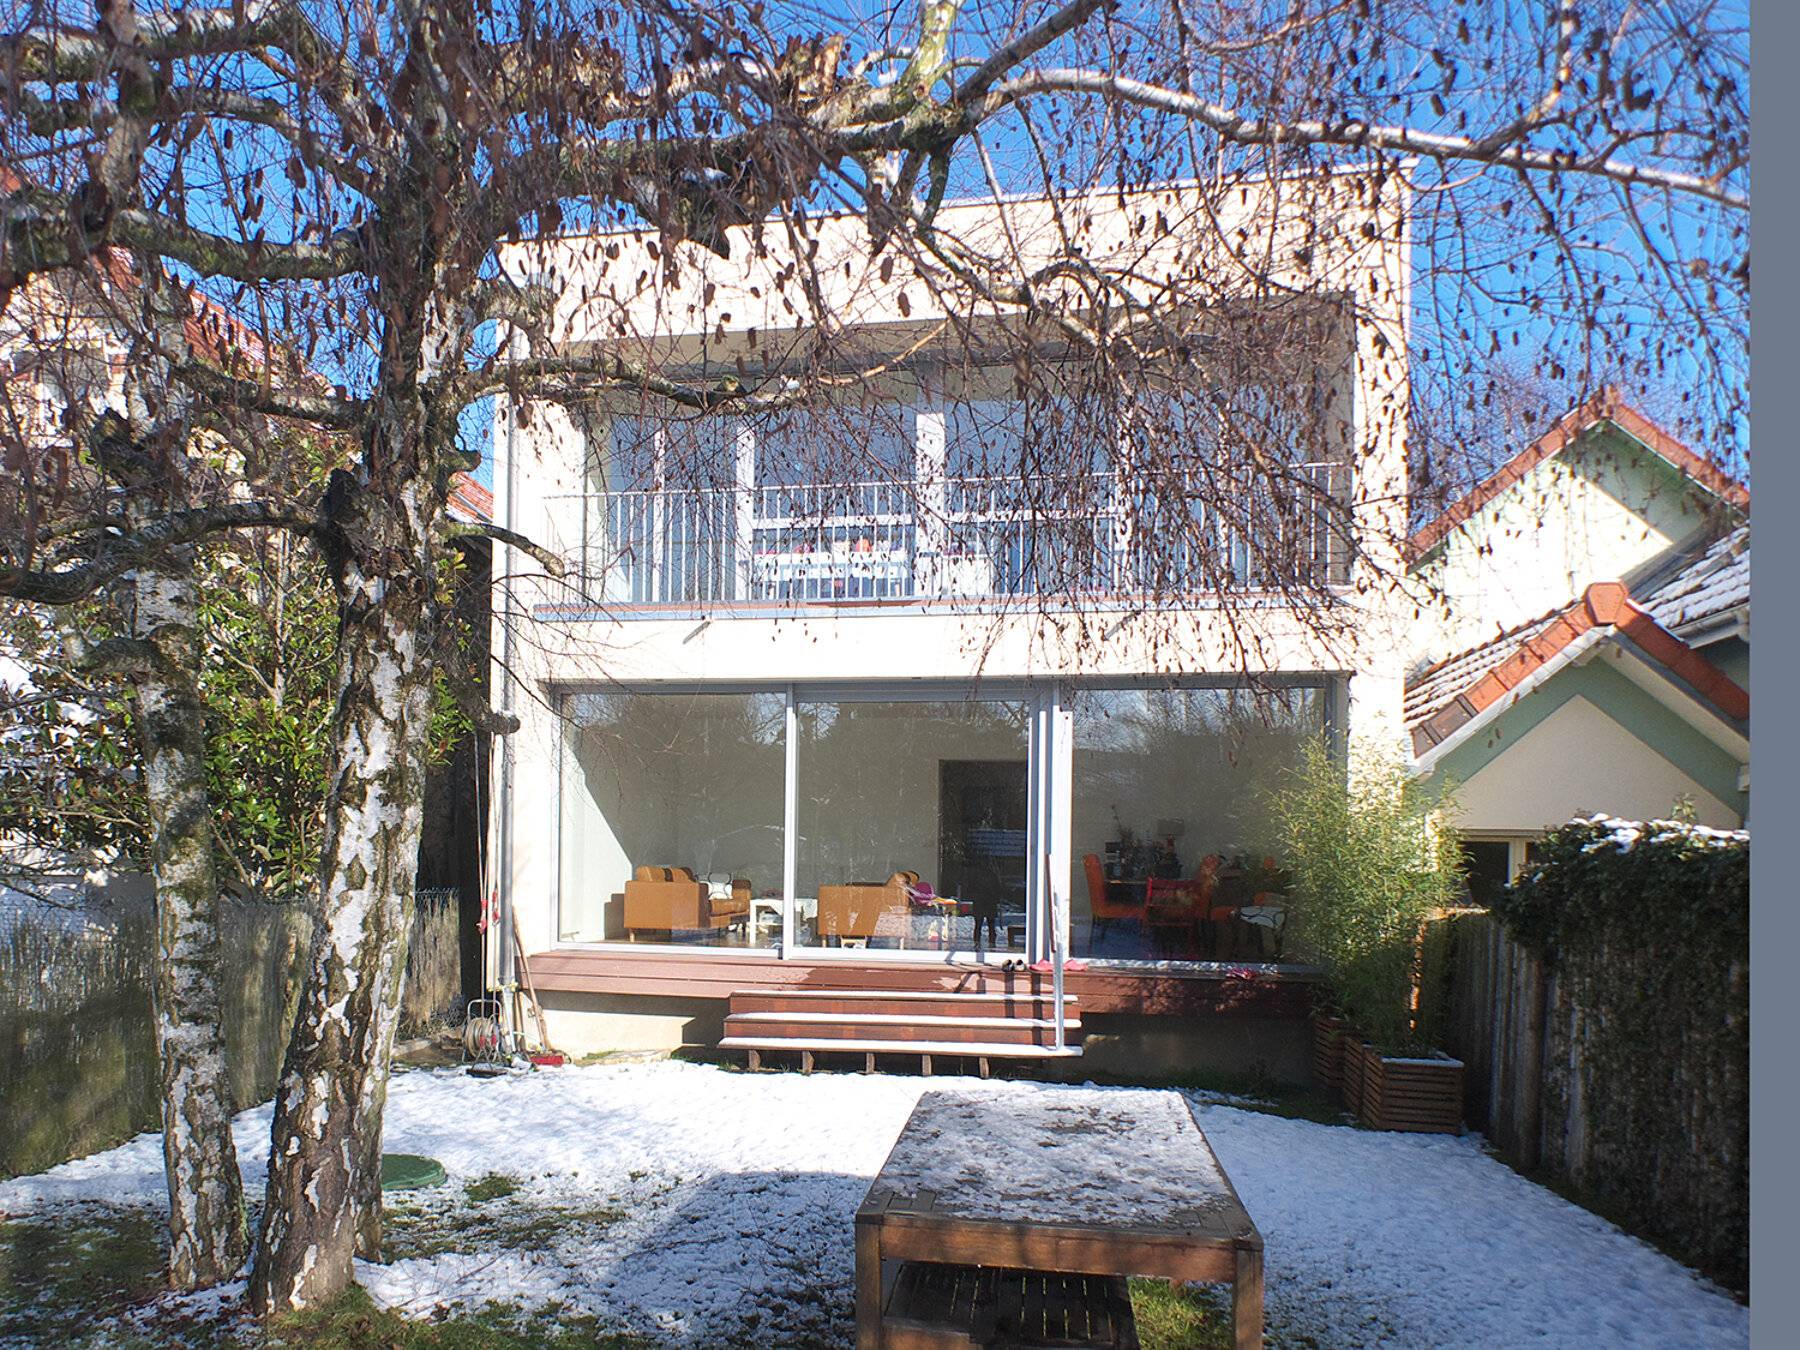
1101 902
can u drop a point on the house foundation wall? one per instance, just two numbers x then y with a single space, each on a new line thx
1277 1048
1122 1044
589 1024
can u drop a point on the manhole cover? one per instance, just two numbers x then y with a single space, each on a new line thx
408 1172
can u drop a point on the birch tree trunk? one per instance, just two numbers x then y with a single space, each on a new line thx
207 1242
324 1199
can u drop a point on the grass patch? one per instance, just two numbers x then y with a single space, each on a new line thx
353 1322
86 1277
1180 1317
494 1186
61 1273
1193 1317
421 1228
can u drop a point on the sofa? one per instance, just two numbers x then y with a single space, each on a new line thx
673 900
850 911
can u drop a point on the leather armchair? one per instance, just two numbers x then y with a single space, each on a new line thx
851 910
673 900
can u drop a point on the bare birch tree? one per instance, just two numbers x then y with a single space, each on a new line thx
343 174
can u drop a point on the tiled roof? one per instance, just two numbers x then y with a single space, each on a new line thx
1432 689
1455 691
1606 406
470 501
1711 587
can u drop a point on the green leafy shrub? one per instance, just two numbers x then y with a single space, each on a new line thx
1370 861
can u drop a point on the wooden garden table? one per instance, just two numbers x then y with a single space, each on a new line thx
1091 1181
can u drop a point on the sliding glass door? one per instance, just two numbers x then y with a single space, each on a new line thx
672 817
1169 787
913 821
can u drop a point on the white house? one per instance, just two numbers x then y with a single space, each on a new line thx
1585 640
927 641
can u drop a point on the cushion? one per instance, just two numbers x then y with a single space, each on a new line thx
718 885
665 874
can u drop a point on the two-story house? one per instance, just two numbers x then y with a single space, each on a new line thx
945 638
1584 638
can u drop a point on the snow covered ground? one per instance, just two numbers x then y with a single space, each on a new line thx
706 1207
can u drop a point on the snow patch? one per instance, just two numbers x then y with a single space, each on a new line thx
683 1197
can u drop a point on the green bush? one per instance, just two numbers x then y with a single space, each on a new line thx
1370 862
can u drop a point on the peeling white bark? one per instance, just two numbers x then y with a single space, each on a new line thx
323 1203
207 1241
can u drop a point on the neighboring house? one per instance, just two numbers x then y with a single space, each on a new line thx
803 678
1597 497
1586 641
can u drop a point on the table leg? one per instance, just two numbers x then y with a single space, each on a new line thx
868 1286
1246 1301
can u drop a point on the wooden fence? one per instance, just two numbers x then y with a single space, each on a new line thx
1658 1141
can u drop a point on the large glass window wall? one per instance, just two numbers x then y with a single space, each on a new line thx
1171 850
913 820
671 816
924 823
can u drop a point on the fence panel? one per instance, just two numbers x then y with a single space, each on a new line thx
1656 1142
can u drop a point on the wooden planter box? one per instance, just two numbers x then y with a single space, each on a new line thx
1423 1096
1331 1038
1354 1053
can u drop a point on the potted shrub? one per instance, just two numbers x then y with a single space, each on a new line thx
1370 862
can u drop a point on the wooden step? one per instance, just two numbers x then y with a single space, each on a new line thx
961 1048
982 1026
1071 1018
931 1003
831 1026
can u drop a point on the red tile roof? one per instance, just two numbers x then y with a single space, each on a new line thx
470 499
1457 690
1606 406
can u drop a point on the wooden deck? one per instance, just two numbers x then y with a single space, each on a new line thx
1163 991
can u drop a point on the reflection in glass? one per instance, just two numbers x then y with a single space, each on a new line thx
912 824
1164 780
671 818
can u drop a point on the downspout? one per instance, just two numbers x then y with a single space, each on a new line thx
504 868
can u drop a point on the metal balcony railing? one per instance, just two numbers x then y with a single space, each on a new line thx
959 538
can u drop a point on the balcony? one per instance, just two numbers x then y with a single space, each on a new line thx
956 539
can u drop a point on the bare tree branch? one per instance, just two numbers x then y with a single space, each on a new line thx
1396 139
457 529
249 395
117 555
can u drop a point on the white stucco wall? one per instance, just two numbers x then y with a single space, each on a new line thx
718 310
1579 761
1591 513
